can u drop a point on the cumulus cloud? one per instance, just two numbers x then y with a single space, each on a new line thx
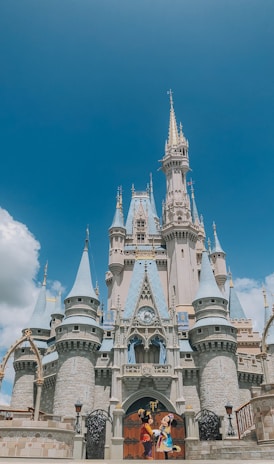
19 266
19 253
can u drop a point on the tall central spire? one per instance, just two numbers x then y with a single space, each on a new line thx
173 135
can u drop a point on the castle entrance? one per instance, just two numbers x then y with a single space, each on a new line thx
133 448
96 433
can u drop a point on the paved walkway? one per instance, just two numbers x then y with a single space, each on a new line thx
140 461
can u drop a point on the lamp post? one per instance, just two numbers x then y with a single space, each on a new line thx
78 406
230 430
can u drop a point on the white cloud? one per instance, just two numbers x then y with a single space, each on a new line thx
19 266
19 252
250 295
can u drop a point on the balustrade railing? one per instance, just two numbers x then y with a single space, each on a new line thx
244 418
146 369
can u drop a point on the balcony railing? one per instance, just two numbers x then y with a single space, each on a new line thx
244 418
154 370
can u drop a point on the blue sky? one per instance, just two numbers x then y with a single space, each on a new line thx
84 109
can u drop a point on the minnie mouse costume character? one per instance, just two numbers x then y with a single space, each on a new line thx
165 443
146 432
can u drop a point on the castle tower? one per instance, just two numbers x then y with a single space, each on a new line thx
214 338
117 235
23 394
217 257
57 316
180 231
78 338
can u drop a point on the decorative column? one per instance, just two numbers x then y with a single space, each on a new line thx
192 429
117 441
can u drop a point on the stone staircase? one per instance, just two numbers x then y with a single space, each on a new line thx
232 449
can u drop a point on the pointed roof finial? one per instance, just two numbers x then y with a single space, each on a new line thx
152 200
231 284
217 246
45 274
87 238
181 135
121 196
118 220
118 198
97 288
132 189
265 298
195 215
151 183
173 136
169 92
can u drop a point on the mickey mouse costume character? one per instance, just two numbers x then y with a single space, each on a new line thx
146 432
165 443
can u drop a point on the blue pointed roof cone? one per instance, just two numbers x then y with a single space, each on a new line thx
83 283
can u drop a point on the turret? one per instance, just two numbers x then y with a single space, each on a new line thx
218 259
214 339
117 234
57 316
78 337
25 362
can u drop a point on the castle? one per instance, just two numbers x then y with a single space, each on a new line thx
174 331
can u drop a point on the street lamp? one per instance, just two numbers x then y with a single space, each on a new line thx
230 430
78 406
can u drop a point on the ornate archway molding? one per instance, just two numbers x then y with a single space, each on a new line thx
39 378
142 393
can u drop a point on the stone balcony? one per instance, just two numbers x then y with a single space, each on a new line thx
131 374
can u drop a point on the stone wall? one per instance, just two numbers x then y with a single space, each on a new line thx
75 381
48 392
101 399
43 439
218 381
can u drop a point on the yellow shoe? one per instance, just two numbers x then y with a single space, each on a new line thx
176 448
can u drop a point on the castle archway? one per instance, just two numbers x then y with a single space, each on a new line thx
159 406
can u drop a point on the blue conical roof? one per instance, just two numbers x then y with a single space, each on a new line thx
208 287
217 246
83 283
118 220
235 308
39 318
